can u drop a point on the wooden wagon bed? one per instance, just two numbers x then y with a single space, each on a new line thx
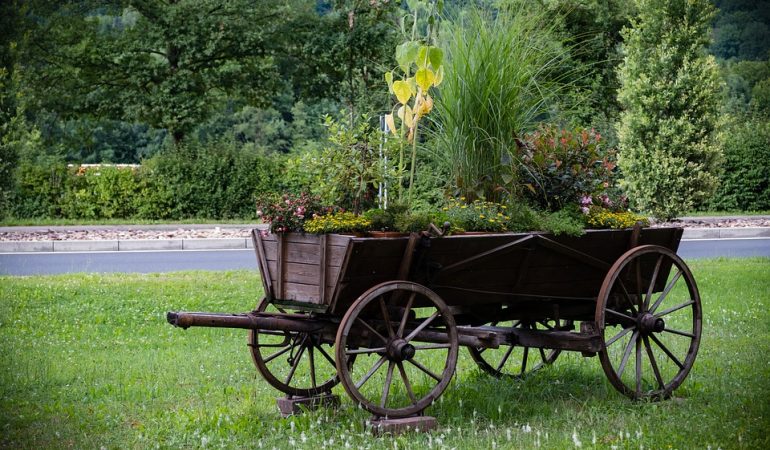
327 273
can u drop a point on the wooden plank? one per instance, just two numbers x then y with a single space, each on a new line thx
306 293
560 340
304 252
322 269
497 251
259 248
408 256
573 253
281 262
339 280
306 238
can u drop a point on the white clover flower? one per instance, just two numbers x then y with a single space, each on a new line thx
575 439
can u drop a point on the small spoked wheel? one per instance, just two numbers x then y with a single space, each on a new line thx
404 341
297 364
649 314
516 361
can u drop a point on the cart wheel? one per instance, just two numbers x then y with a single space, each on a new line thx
648 308
294 363
404 339
515 361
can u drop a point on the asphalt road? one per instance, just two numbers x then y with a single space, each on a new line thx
169 261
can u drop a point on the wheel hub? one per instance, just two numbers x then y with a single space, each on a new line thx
400 350
648 323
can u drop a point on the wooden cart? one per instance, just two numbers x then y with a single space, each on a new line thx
385 317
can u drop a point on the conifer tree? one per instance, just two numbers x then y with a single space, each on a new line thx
670 94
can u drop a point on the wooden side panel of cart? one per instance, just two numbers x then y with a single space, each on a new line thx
299 268
473 270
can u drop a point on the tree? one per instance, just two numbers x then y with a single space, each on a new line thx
166 64
670 92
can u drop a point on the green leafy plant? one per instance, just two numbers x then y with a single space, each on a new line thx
381 219
347 170
558 166
416 221
421 65
476 216
338 222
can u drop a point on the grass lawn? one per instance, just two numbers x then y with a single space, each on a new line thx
88 361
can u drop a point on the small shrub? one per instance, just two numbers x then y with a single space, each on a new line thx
39 190
476 216
381 219
566 221
339 222
745 181
559 166
603 218
101 193
289 212
416 221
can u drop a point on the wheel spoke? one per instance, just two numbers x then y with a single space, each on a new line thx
386 387
325 355
653 363
638 367
665 292
628 296
619 314
407 383
505 359
615 338
369 327
311 361
424 324
359 351
680 333
524 360
277 354
675 308
386 317
650 288
627 353
667 351
402 325
371 371
294 365
424 369
639 298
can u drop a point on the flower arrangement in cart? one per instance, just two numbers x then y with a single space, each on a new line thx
366 178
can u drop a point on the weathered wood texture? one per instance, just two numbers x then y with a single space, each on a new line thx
299 267
465 270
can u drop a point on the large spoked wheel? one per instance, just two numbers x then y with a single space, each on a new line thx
297 364
516 361
404 341
649 313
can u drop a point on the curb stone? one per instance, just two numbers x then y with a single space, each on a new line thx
245 243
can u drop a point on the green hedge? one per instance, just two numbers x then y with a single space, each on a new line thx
745 182
212 181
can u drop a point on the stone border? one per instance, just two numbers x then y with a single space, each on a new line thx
690 234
